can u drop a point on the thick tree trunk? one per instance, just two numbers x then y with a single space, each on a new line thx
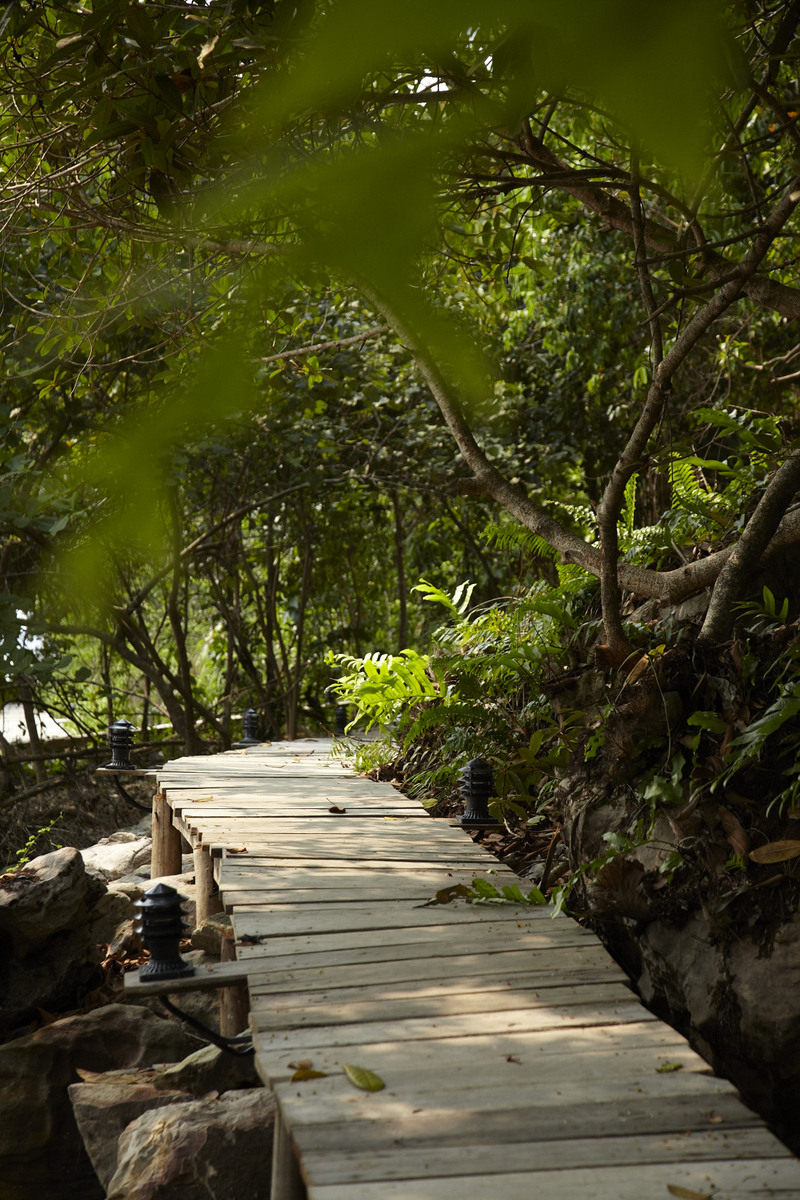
400 571
26 700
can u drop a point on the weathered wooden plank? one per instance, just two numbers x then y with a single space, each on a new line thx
462 1125
267 845
395 944
269 1013
377 834
270 857
230 772
267 821
778 1178
354 1166
473 1068
260 864
423 1102
241 874
386 830
297 887
281 920
476 1054
457 973
561 1016
307 995
295 787
242 900
217 807
207 978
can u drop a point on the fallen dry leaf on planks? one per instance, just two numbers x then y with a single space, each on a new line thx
447 895
361 1078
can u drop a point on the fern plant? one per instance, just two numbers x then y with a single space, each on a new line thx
478 692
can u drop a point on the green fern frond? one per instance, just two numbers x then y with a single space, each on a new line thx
517 537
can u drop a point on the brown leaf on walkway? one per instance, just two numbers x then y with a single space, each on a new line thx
304 1073
448 895
675 1189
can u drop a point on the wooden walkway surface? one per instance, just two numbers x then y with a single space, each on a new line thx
517 1063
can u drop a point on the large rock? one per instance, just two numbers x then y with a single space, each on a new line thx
41 1152
120 854
209 934
105 1105
55 921
53 979
209 1069
203 1150
738 1000
112 910
717 953
51 893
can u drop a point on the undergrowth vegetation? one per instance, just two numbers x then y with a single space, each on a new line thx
480 690
700 752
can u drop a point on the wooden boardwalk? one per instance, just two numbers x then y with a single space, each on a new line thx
517 1063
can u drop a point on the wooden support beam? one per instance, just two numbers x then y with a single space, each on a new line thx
234 1001
166 853
287 1182
207 893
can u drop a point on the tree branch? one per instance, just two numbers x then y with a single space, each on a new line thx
317 347
746 554
613 496
761 289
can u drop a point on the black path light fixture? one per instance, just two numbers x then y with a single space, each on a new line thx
476 788
249 730
161 925
120 741
340 720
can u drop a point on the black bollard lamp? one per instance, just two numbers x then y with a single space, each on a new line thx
120 741
476 788
161 925
249 730
340 720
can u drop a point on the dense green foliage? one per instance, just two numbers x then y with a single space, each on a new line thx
267 268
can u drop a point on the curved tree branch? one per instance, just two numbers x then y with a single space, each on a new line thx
763 290
488 480
746 554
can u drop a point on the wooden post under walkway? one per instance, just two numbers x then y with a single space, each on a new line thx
515 1059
